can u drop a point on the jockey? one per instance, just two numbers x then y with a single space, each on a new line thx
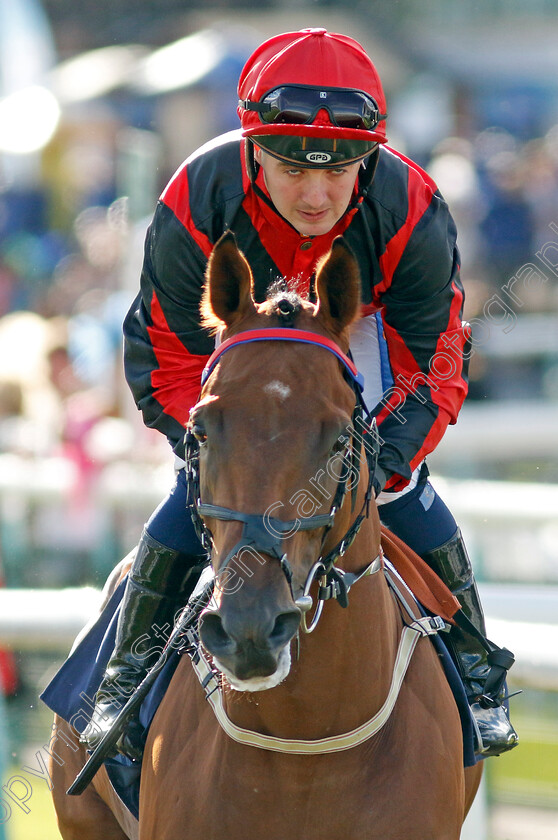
309 163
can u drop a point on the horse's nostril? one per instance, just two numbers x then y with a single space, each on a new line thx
286 625
213 635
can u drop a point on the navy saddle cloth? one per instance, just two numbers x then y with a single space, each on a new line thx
72 690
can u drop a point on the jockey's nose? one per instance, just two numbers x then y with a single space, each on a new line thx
248 645
315 191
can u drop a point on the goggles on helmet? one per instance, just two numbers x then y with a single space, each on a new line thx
299 105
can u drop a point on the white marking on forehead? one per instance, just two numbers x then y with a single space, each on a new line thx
279 389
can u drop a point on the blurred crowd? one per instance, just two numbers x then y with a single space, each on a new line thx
63 295
65 412
503 195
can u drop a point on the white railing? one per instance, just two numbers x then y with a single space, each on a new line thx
45 619
523 619
499 432
511 528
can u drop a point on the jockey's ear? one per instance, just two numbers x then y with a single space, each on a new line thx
228 284
338 287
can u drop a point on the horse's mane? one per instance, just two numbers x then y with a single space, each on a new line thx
281 301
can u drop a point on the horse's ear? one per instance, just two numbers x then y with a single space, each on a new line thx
338 287
228 284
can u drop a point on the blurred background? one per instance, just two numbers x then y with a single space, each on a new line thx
99 104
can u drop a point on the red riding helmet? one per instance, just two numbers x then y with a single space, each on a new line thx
312 97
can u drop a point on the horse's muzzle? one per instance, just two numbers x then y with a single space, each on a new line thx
248 646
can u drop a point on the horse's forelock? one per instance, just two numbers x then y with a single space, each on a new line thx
282 302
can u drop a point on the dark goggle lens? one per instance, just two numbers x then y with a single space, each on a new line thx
347 109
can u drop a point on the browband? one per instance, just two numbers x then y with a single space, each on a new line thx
284 334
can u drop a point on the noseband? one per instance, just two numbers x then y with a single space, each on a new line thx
264 533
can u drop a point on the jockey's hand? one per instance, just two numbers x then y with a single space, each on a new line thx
132 741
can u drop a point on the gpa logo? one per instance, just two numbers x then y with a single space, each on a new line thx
318 157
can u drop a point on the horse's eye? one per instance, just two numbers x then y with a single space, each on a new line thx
340 445
199 433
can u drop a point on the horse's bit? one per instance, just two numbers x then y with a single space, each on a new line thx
264 533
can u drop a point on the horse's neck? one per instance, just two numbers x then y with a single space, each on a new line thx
341 673
358 644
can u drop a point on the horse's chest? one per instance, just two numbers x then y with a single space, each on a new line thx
259 795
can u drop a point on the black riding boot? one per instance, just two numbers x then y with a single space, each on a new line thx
451 563
160 582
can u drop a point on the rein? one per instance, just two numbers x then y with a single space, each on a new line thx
264 533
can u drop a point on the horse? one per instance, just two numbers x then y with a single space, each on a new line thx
304 734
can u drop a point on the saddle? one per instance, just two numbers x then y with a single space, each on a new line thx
428 589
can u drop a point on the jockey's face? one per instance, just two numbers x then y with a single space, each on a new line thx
312 200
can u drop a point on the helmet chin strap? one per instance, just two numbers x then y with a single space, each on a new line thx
251 165
367 171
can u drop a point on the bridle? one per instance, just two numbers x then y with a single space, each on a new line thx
264 533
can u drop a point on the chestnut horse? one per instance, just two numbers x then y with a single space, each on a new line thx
279 751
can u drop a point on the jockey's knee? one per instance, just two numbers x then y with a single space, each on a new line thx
419 517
